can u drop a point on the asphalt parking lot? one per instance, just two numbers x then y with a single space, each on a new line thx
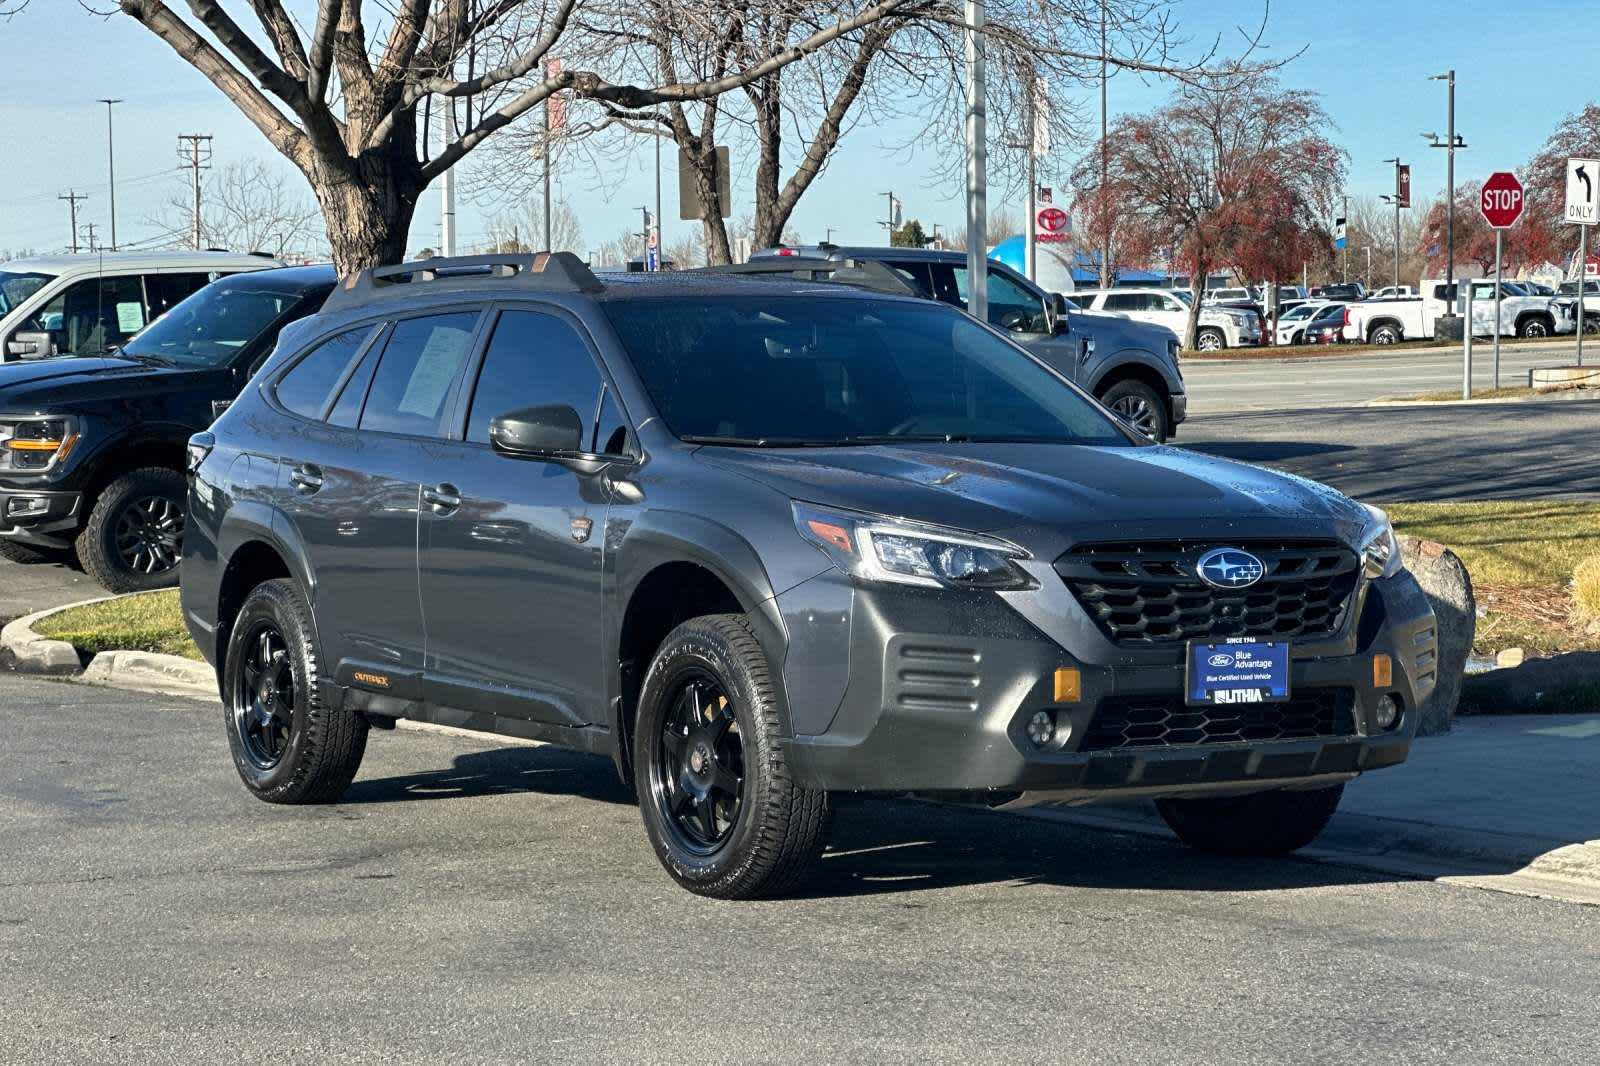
473 903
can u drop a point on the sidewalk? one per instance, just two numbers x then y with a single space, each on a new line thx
1507 802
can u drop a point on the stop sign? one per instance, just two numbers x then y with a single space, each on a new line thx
1501 200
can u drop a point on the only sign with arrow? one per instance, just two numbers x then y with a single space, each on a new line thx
1583 175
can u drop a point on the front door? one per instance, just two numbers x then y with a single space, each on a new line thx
511 548
1017 309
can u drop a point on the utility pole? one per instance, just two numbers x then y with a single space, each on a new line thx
660 251
72 198
111 168
90 227
1344 272
1105 163
977 166
194 152
893 222
447 185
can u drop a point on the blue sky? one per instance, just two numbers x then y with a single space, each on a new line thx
1519 70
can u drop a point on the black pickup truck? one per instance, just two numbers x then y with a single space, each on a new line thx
92 448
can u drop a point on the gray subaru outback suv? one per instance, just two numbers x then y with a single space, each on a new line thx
763 541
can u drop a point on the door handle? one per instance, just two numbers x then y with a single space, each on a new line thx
444 499
306 478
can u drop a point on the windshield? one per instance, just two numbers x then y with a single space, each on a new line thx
1303 311
829 371
1184 294
210 327
16 287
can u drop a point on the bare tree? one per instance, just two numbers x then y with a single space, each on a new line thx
523 231
248 206
354 114
619 250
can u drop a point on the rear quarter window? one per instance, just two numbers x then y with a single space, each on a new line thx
308 385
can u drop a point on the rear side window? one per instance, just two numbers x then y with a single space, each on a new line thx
309 384
166 291
533 360
417 374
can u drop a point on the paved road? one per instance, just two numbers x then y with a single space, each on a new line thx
1342 381
1495 451
35 586
472 904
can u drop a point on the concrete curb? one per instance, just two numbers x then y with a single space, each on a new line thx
1553 396
35 654
1501 862
142 671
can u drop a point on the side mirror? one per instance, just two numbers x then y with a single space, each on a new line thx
1056 311
551 432
30 346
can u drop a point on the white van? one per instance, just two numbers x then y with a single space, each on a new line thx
88 304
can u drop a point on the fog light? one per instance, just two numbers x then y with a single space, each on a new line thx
1388 711
22 506
1041 728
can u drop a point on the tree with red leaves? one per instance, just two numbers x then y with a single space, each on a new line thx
1238 178
1541 236
1474 237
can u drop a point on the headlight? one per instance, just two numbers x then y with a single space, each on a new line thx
34 445
874 548
1380 550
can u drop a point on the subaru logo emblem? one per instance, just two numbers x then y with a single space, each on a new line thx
1229 568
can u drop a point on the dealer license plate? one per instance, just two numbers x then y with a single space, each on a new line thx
1237 672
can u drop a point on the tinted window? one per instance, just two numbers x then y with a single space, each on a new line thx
417 373
533 360
1010 305
1125 301
309 384
827 370
612 435
166 291
347 408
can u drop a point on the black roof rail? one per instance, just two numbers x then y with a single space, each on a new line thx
861 273
544 272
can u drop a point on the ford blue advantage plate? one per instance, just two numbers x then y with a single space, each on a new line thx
1238 671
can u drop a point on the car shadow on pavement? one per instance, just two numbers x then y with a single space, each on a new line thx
501 771
901 846
1268 451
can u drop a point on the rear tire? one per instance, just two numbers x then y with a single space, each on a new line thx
719 805
287 745
1385 335
133 540
1267 823
1138 405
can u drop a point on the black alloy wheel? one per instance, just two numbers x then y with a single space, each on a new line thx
149 534
697 778
264 700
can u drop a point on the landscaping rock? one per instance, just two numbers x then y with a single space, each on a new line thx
1510 657
1448 586
1562 684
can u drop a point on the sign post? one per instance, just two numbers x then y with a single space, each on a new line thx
1583 210
1501 203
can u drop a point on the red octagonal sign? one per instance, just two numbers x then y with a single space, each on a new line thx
1501 200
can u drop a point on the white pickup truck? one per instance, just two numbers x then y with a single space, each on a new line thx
1410 318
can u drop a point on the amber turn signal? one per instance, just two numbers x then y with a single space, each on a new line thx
1069 685
1382 671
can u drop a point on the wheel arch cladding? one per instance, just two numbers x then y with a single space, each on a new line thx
1133 369
673 566
123 455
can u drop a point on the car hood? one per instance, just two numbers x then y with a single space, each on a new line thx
62 383
1049 497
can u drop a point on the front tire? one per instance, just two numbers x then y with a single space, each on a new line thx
1210 340
1534 327
1264 824
288 746
719 805
18 552
133 540
1138 405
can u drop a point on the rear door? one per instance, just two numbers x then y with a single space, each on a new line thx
511 548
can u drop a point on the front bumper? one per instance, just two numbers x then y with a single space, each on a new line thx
940 689
39 518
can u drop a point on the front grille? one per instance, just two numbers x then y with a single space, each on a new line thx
1166 721
1150 592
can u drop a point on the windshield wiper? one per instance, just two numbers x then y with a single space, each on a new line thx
750 442
146 357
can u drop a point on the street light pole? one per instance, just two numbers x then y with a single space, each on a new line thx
977 166
111 168
1105 161
1450 144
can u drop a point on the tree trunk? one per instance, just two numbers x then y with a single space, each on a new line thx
718 250
368 209
1197 288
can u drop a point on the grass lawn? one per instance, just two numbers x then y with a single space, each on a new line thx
152 622
1521 556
